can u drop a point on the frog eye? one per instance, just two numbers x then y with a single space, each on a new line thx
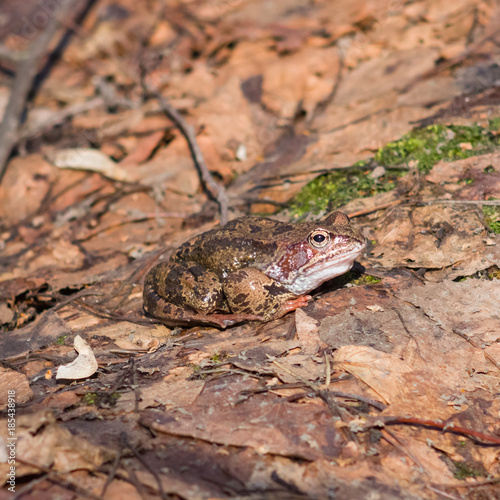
319 238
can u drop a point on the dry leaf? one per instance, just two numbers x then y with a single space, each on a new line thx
83 366
379 370
14 386
92 160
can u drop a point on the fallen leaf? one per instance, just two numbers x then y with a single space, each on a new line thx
14 388
42 442
83 366
91 160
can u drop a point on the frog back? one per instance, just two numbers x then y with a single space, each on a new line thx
244 242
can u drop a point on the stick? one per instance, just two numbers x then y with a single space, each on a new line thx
477 436
23 83
216 189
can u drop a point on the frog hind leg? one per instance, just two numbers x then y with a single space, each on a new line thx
186 294
172 315
250 291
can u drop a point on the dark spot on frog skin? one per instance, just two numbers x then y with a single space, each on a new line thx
197 271
240 298
254 229
274 289
285 228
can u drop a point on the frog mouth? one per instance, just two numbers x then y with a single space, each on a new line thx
317 273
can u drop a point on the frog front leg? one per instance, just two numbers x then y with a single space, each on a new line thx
186 293
250 291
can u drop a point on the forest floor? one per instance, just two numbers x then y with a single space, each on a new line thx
387 384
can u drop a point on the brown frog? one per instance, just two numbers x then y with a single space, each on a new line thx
250 269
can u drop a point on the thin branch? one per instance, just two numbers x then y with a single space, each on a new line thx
326 396
443 493
463 202
477 484
216 189
125 442
57 477
58 117
114 468
477 436
376 208
11 56
132 220
396 442
105 314
394 203
300 385
23 83
474 344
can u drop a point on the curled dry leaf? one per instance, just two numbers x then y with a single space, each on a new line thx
89 159
83 366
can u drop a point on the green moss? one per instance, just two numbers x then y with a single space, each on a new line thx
366 279
494 273
60 340
355 277
463 470
423 147
427 146
216 358
334 189
492 217
494 124
101 398
466 181
90 398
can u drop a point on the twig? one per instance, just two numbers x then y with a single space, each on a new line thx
215 189
474 344
326 396
112 473
11 56
132 220
23 83
300 385
362 399
376 208
57 117
28 487
477 484
136 277
443 493
396 442
115 317
463 202
477 436
66 481
125 442
134 480
328 374
394 203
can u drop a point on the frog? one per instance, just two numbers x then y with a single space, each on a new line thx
251 269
